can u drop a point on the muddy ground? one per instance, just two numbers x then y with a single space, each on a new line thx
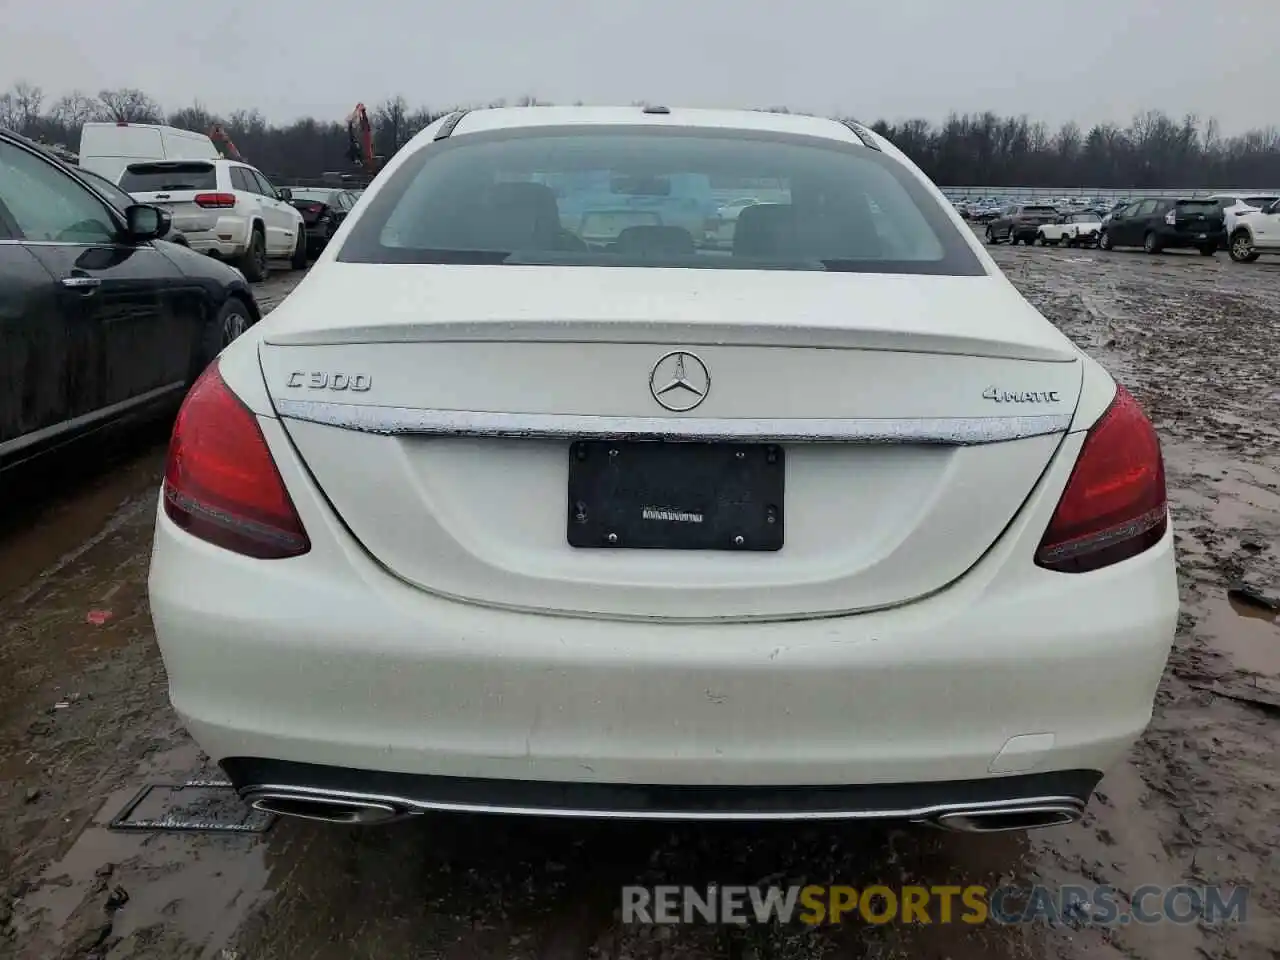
84 723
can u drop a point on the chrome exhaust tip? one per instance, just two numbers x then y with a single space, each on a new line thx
326 809
1006 819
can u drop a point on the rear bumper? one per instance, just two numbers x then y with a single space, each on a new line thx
318 235
1025 230
255 779
326 659
227 240
1177 240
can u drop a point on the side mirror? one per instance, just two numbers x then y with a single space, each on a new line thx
285 194
146 222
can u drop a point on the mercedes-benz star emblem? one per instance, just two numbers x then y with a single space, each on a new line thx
679 381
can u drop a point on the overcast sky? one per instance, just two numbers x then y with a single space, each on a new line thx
1057 60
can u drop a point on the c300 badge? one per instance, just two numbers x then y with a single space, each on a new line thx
355 382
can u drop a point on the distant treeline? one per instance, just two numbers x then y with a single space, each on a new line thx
1153 151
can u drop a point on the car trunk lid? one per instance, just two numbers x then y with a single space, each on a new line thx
911 415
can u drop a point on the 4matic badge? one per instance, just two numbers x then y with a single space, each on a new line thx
1020 396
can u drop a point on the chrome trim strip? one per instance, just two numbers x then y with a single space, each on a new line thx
87 419
397 421
931 812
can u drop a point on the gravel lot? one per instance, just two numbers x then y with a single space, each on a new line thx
84 723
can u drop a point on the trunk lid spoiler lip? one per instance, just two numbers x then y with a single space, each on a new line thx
678 333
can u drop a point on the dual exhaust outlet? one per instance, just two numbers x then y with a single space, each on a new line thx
357 810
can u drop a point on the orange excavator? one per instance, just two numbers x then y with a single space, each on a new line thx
360 140
220 138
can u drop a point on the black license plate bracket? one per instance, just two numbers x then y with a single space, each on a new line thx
662 495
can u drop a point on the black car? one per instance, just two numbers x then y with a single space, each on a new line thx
1165 223
323 211
99 318
1020 221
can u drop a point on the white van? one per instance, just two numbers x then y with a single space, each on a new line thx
107 148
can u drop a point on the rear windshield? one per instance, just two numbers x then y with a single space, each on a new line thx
1259 201
1198 206
322 195
628 197
150 177
1040 210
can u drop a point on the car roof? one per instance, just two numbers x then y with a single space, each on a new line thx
508 118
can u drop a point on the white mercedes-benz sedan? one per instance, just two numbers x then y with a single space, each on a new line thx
527 500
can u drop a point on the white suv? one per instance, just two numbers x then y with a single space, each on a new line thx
1254 233
1236 205
224 208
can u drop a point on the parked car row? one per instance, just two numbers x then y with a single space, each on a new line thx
1246 226
220 206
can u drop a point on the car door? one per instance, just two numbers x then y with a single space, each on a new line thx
1008 218
33 395
125 341
279 216
1122 226
1143 220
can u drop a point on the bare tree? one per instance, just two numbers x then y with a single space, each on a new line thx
75 109
10 115
390 125
29 99
128 105
195 118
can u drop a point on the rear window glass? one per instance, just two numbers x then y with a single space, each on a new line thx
324 196
1040 210
1259 201
150 177
1198 206
622 196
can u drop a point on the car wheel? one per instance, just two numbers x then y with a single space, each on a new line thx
1150 243
254 264
1241 249
1208 251
233 319
1104 241
991 237
1042 239
299 259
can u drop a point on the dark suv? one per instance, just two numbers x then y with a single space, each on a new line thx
1020 221
1166 223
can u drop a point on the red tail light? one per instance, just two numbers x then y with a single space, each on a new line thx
315 207
1114 505
216 200
220 482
